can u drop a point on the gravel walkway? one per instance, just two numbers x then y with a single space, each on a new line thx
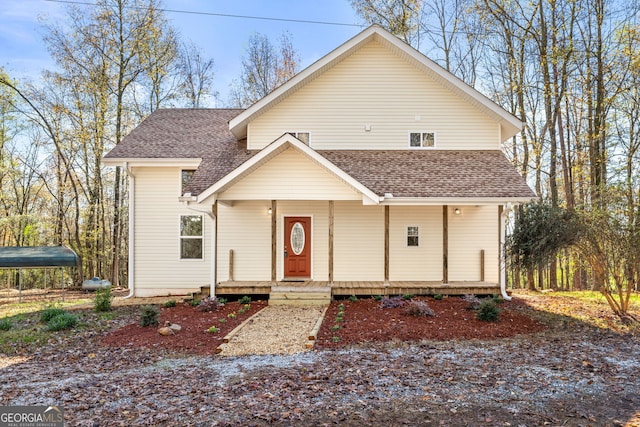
275 330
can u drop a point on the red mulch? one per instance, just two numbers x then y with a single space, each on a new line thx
193 338
366 321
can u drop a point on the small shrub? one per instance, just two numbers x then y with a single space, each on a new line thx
393 302
241 310
335 339
213 330
407 297
419 309
149 315
102 300
473 302
169 304
245 300
222 320
341 307
49 313
232 315
377 298
353 298
335 327
5 324
62 321
438 297
498 299
488 311
209 304
195 302
222 300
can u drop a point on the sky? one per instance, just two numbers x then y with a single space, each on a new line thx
23 53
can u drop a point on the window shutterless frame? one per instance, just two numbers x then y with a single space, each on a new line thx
302 136
191 237
422 139
413 235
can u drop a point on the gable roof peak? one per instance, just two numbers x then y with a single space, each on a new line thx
510 124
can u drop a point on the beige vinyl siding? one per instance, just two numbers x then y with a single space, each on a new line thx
319 213
378 88
157 235
423 262
358 242
290 175
476 228
245 228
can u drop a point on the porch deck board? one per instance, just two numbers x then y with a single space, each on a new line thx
348 288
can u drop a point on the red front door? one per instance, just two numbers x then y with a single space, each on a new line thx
297 247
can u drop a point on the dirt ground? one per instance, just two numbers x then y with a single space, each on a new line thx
544 363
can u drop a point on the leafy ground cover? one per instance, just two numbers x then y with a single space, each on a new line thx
579 369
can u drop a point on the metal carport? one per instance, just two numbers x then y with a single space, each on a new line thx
20 257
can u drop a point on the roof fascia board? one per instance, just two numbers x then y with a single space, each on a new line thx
458 201
276 147
134 162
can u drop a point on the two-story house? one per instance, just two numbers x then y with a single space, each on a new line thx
373 171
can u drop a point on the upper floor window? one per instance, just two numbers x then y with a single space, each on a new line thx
302 136
191 237
186 176
422 139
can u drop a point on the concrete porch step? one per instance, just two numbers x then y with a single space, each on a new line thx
297 295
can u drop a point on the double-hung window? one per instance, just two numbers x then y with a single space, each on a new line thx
413 235
191 237
185 177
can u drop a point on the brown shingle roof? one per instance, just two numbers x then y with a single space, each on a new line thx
433 173
204 133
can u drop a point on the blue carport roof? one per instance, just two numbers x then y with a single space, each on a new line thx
37 257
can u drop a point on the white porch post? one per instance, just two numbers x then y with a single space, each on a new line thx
503 212
214 249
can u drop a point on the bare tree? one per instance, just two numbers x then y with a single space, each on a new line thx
399 17
197 74
264 68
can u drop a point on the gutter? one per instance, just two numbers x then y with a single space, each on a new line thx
503 261
187 199
132 209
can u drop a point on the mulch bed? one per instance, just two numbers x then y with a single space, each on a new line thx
194 337
366 321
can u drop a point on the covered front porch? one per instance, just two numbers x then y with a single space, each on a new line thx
359 288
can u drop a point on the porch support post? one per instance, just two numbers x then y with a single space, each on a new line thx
445 244
331 216
502 274
386 245
214 250
274 225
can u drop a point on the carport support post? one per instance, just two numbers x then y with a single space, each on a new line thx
20 286
62 282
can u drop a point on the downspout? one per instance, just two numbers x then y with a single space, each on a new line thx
503 255
132 208
187 199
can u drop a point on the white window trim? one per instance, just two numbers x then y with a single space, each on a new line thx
435 140
180 178
298 132
180 237
406 241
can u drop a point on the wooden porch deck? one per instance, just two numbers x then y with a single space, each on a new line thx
363 287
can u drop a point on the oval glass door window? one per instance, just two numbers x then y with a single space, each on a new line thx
297 238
